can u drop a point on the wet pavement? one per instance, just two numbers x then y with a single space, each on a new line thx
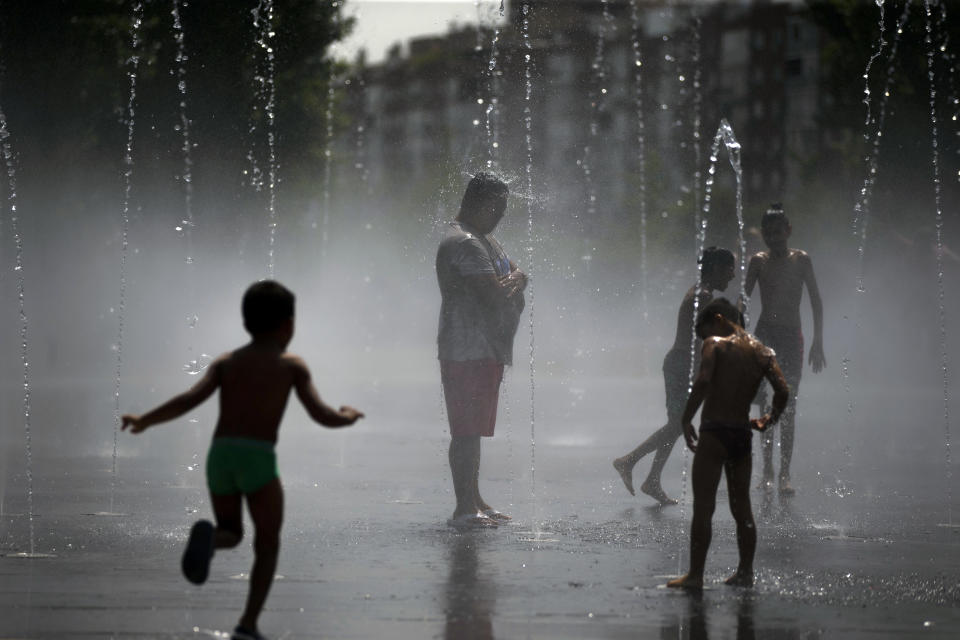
860 552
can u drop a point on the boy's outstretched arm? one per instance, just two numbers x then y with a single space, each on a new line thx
817 360
177 405
699 391
318 410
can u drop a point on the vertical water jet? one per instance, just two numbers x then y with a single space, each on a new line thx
134 63
941 294
266 93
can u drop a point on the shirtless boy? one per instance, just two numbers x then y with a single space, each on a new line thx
716 272
782 273
254 382
732 367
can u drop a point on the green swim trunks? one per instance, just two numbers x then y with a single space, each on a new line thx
240 465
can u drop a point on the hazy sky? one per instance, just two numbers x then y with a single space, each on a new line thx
380 23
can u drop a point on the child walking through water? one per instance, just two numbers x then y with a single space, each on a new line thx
782 273
254 382
717 266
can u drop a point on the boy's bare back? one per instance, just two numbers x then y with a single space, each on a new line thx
255 383
733 368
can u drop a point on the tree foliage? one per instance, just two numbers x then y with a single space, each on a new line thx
64 87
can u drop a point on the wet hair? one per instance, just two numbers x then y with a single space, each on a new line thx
266 306
722 307
774 214
481 188
715 258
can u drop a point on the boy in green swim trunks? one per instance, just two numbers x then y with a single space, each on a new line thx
254 382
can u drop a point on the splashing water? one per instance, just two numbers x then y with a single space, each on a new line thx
266 92
733 151
941 296
134 62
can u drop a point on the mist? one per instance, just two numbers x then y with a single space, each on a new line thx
357 231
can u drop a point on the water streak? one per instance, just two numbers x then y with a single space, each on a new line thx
492 111
134 63
360 161
597 107
941 296
266 92
327 163
861 217
862 208
636 35
528 138
881 43
697 115
9 161
186 225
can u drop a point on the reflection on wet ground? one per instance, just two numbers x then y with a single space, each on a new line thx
366 553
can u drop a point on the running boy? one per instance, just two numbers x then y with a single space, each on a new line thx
717 267
731 369
254 382
782 273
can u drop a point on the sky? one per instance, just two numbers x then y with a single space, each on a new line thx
381 23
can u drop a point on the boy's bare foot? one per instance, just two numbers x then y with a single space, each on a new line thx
740 579
625 470
469 521
686 582
493 514
656 492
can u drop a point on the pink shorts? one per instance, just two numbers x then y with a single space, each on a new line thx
471 389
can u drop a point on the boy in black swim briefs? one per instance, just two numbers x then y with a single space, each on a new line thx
732 366
254 383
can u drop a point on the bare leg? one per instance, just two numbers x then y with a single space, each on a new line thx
229 513
766 438
482 504
707 469
787 427
661 441
266 510
738 488
465 467
651 486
